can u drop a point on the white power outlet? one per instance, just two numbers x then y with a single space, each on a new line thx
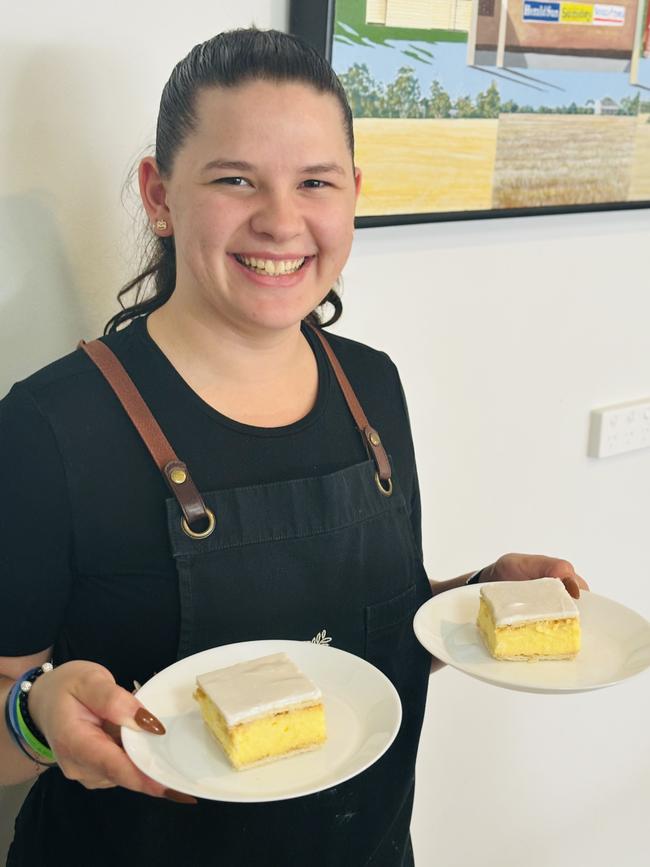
624 427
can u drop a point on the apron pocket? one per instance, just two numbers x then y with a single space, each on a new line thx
384 615
390 636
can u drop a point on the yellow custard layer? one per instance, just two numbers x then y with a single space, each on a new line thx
268 737
538 639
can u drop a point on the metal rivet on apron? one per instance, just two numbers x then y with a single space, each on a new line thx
386 491
373 436
178 476
204 533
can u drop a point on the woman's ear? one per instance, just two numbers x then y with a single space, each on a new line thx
357 181
154 196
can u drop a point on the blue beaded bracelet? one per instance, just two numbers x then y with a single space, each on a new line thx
22 728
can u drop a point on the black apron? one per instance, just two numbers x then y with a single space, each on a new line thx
330 557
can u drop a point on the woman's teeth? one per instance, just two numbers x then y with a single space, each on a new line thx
271 267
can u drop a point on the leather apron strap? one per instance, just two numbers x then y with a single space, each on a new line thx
370 436
175 471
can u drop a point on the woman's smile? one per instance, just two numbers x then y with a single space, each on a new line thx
264 270
264 263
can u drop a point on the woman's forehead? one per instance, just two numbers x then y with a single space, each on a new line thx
264 125
266 107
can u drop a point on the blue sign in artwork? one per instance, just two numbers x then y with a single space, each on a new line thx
535 11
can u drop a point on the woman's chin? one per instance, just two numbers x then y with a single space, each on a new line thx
280 315
278 320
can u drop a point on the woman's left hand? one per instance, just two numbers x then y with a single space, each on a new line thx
525 567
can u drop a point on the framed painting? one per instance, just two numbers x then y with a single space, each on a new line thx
467 109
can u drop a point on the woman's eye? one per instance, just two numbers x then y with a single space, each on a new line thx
232 182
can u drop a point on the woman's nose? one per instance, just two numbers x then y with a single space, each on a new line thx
278 217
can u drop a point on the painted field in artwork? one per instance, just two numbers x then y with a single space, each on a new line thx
563 160
424 165
640 180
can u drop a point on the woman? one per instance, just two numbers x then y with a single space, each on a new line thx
264 514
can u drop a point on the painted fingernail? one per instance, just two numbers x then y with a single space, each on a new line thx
179 797
147 721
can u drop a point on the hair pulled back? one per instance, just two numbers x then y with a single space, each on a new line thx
227 60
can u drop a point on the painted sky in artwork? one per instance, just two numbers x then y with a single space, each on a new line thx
446 62
644 77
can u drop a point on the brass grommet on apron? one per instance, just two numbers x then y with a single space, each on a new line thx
386 491
178 476
212 521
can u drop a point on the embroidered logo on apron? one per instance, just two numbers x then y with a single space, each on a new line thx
322 638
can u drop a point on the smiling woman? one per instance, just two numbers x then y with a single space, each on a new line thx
286 518
271 509
256 252
190 104
263 247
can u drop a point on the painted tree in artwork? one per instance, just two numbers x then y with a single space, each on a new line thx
403 97
509 107
438 103
630 104
363 92
488 102
464 107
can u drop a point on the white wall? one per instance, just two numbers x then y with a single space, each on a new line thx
507 332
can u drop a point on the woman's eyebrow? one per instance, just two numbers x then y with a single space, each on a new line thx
322 168
243 166
238 165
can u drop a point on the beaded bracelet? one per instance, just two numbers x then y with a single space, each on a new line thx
12 723
22 728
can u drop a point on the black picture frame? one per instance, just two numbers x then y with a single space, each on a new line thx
315 22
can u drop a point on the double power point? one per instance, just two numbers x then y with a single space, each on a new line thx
623 427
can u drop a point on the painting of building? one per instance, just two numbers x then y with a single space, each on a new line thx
558 34
606 106
424 14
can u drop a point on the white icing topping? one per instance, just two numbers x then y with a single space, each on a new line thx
255 688
514 602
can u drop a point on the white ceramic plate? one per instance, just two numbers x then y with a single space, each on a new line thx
362 709
615 645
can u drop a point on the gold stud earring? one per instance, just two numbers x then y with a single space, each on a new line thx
161 225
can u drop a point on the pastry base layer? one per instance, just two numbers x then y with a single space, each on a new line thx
267 738
537 639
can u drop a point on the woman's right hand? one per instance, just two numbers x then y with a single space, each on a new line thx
76 705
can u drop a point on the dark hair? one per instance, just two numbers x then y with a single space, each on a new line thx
226 60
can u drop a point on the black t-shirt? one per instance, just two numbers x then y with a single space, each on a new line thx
85 562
